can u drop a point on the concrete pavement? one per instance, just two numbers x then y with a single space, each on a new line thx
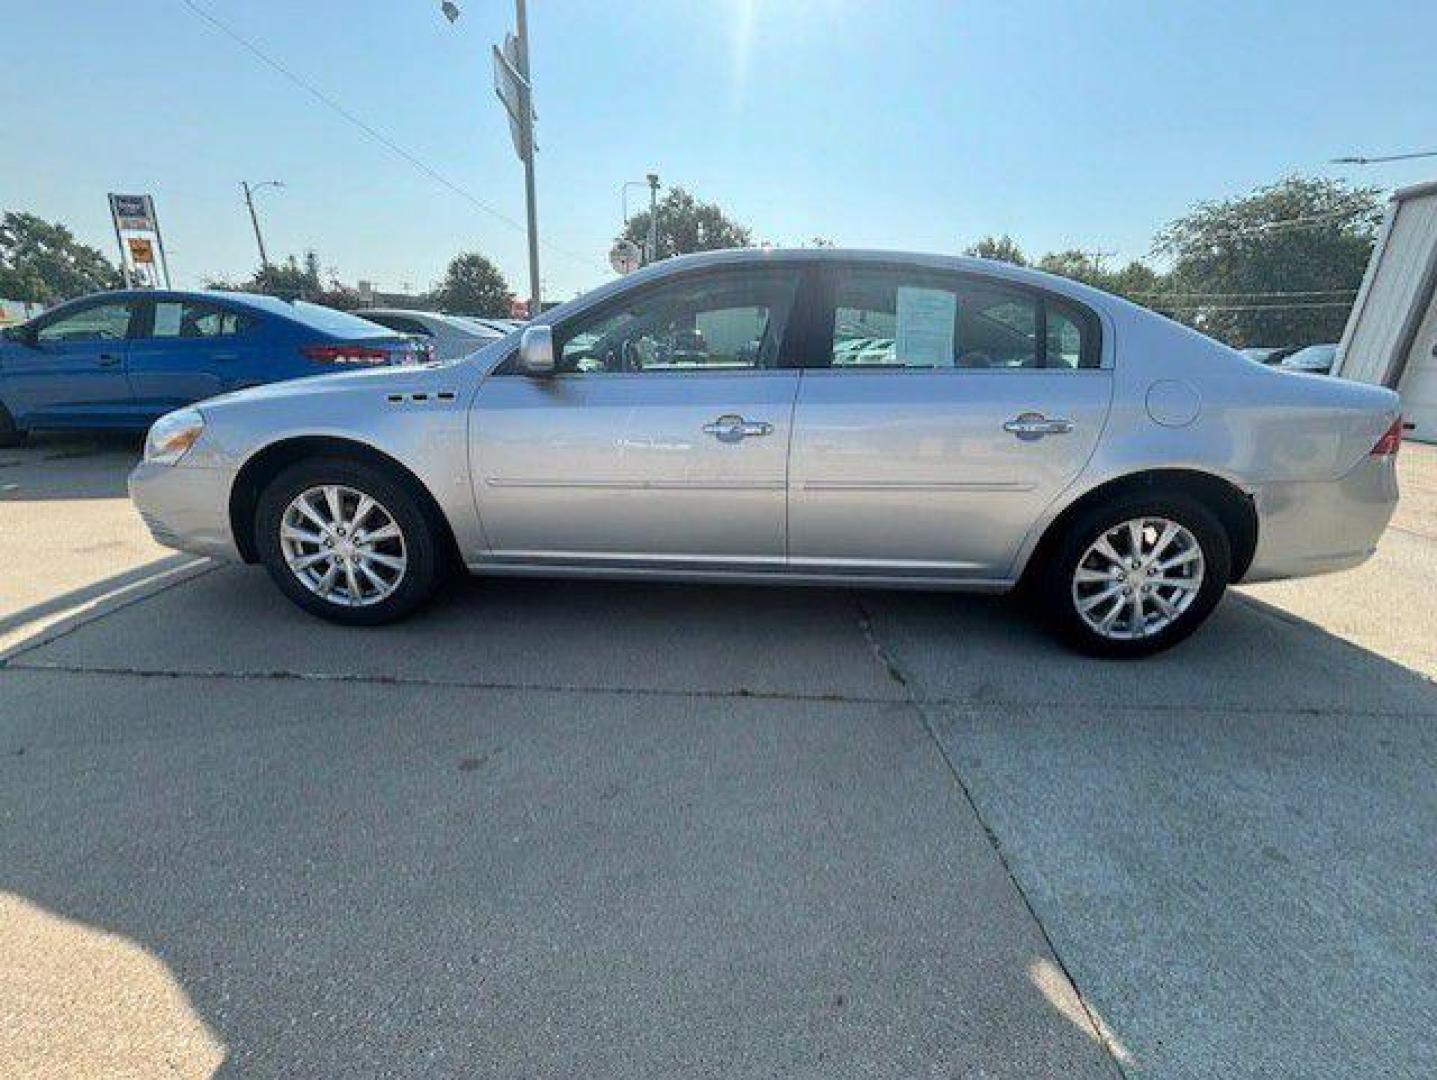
580 828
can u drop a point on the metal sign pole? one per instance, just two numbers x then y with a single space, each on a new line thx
120 243
159 241
521 18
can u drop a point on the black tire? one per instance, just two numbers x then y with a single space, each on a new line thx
10 435
1055 588
424 551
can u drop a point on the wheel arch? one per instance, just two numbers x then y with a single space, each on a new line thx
264 465
1232 506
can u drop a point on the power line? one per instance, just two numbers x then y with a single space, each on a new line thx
1252 307
1243 295
338 107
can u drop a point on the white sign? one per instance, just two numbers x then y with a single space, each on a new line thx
926 325
625 257
513 91
134 213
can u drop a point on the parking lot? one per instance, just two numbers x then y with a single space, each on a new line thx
558 828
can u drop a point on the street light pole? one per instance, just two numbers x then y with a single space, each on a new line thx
624 191
653 179
249 190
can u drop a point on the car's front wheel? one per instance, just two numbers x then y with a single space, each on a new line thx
1137 575
347 541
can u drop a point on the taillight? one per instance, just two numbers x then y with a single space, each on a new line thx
345 354
1390 442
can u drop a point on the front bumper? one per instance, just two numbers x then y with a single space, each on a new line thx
186 508
1316 527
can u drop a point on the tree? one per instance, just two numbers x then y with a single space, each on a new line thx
43 263
1000 248
293 279
687 225
473 285
1277 267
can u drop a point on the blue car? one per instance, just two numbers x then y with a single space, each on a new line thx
119 360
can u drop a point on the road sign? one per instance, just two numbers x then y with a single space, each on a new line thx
513 91
141 250
133 212
625 257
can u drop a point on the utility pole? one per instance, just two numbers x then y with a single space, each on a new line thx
249 190
514 85
521 21
1098 257
653 252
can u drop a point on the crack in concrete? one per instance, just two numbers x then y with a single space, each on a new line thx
735 693
1098 1030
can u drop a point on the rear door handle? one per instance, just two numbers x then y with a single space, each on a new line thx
108 359
1034 425
225 357
734 428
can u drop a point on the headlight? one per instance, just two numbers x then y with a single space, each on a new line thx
172 435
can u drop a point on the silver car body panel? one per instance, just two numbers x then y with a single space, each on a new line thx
874 477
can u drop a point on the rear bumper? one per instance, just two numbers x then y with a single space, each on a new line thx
186 508
1316 527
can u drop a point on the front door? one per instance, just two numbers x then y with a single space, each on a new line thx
661 440
72 372
948 411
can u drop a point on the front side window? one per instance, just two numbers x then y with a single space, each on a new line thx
714 323
187 319
103 322
886 318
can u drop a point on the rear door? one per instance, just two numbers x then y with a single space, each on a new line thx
185 350
73 370
941 414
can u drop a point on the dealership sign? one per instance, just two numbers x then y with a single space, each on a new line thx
137 234
133 213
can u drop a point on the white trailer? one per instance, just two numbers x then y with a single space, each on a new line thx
1391 336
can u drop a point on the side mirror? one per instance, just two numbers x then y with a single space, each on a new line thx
536 352
20 334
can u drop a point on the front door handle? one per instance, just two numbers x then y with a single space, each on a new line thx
734 428
108 359
225 357
1034 425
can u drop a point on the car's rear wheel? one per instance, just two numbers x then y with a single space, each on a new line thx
1136 575
347 541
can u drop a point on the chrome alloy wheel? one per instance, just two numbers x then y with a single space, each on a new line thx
343 545
1138 578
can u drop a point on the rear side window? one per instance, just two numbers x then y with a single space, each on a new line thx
896 318
188 319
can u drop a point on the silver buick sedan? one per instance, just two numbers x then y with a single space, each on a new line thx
815 417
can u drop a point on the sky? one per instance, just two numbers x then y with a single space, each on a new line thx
907 124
